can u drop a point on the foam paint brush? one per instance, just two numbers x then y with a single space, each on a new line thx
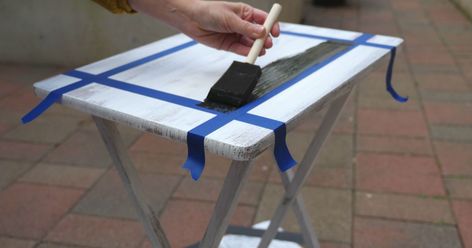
234 88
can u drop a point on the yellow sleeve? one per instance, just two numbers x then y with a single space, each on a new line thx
116 6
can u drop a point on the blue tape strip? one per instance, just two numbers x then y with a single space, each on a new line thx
164 96
362 40
281 153
388 78
50 99
56 95
196 152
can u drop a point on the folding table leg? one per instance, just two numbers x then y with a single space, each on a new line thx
226 203
309 236
304 168
130 178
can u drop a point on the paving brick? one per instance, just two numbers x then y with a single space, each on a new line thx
11 170
455 158
459 187
388 103
26 210
446 96
324 176
57 245
209 189
463 213
400 123
83 148
448 113
441 82
392 144
452 133
8 88
422 55
382 233
185 221
148 162
337 151
404 207
330 210
4 127
22 101
16 243
400 174
414 37
80 177
330 177
47 129
22 150
108 196
97 232
373 86
262 167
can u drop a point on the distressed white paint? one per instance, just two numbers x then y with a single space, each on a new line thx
54 83
157 116
319 84
192 71
328 32
385 40
134 54
245 145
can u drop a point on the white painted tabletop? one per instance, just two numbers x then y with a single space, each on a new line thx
191 72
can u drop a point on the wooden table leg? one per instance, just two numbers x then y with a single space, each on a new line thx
226 203
310 240
304 168
130 178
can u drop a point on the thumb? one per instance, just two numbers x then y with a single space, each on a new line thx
245 28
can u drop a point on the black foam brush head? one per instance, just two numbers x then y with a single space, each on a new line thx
234 88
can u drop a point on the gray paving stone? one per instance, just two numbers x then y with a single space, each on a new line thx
374 233
11 170
329 209
108 197
16 243
445 96
57 245
83 148
337 152
454 133
47 129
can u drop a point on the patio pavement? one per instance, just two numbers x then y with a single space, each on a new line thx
391 175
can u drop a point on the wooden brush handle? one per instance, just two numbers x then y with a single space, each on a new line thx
259 43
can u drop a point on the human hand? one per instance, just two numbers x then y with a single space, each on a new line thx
221 25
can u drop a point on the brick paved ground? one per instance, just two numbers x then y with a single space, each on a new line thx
391 175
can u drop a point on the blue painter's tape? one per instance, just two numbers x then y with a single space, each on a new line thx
196 157
50 99
156 94
56 95
363 40
388 79
148 59
282 155
283 160
195 139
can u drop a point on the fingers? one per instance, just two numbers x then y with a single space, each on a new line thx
249 22
245 28
259 16
248 42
